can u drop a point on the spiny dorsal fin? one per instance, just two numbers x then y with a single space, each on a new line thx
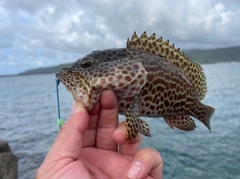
160 40
192 70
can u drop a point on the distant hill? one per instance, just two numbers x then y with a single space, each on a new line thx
52 69
214 55
201 56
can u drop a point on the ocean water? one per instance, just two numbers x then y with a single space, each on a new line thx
28 113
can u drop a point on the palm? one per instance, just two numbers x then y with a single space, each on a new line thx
97 163
87 146
100 156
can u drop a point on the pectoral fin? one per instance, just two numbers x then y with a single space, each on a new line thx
184 123
132 119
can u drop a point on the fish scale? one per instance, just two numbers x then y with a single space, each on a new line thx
150 78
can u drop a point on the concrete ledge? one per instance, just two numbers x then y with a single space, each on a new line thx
8 162
4 147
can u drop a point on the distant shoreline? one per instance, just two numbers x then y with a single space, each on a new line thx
42 73
28 74
7 76
209 56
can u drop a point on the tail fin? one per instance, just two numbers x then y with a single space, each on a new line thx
204 114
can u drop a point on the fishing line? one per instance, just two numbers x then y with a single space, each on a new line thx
59 121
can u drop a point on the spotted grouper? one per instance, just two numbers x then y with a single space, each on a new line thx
150 78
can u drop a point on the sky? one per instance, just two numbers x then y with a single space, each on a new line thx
42 33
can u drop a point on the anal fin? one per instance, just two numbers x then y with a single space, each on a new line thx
184 123
144 128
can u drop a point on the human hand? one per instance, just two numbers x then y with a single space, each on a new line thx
92 145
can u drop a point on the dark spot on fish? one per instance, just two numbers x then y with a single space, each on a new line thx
150 45
166 103
128 78
177 57
153 63
152 107
142 82
145 43
132 74
125 72
148 98
112 70
103 81
119 77
129 68
134 43
153 91
136 67
106 74
110 78
121 84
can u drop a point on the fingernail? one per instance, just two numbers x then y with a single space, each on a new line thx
121 129
76 107
135 169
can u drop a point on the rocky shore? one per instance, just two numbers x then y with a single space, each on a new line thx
8 162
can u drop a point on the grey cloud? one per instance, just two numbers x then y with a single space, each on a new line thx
5 44
62 31
28 6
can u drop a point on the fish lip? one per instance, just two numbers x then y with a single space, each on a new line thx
77 84
63 71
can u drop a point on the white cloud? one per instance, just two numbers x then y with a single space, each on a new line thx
53 32
39 63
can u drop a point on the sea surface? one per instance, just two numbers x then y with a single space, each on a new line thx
28 114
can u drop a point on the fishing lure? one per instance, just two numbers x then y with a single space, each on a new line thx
59 121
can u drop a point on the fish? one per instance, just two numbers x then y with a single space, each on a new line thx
150 78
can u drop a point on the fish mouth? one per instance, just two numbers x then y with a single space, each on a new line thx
77 84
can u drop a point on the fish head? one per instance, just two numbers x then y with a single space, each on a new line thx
102 70
77 84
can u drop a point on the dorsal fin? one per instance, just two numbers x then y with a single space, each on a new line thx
192 70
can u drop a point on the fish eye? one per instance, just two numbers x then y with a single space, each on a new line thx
86 64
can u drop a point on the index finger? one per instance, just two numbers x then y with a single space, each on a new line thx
69 139
108 121
103 120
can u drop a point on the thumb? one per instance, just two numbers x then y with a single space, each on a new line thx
146 162
68 142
